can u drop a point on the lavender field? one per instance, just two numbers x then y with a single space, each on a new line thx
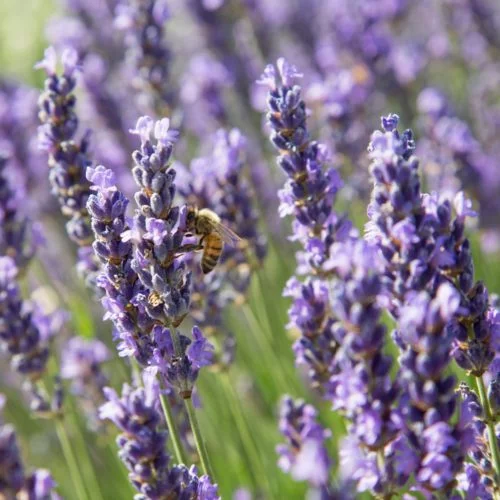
249 249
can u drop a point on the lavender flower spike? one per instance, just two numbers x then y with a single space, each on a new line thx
309 195
428 275
159 226
14 482
68 159
123 290
310 191
142 446
81 364
143 22
18 332
16 234
304 456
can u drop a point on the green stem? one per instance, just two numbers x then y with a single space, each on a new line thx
172 430
90 475
74 469
495 455
80 441
244 431
198 439
266 350
174 435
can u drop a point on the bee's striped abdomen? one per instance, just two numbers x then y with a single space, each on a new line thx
213 246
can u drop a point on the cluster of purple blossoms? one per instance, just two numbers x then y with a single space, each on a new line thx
117 278
147 51
217 182
478 477
104 71
19 334
309 195
360 385
425 245
159 226
304 456
17 238
14 481
82 365
417 262
144 276
25 329
68 159
147 288
430 291
335 308
418 265
461 160
18 124
142 446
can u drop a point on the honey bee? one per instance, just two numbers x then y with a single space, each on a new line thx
214 234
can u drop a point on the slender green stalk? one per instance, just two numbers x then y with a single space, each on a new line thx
80 441
266 350
90 475
244 431
198 439
174 436
73 467
495 455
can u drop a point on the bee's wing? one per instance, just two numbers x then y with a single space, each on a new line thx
228 236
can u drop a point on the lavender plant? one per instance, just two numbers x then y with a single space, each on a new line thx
142 446
395 336
147 51
82 364
15 482
424 250
309 194
217 182
68 159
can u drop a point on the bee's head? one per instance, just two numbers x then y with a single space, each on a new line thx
191 217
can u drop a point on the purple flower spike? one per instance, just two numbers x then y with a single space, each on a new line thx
147 52
19 334
429 286
158 260
304 456
142 445
465 164
218 182
68 159
123 290
82 364
17 238
14 480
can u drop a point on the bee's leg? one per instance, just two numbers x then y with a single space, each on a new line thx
191 247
